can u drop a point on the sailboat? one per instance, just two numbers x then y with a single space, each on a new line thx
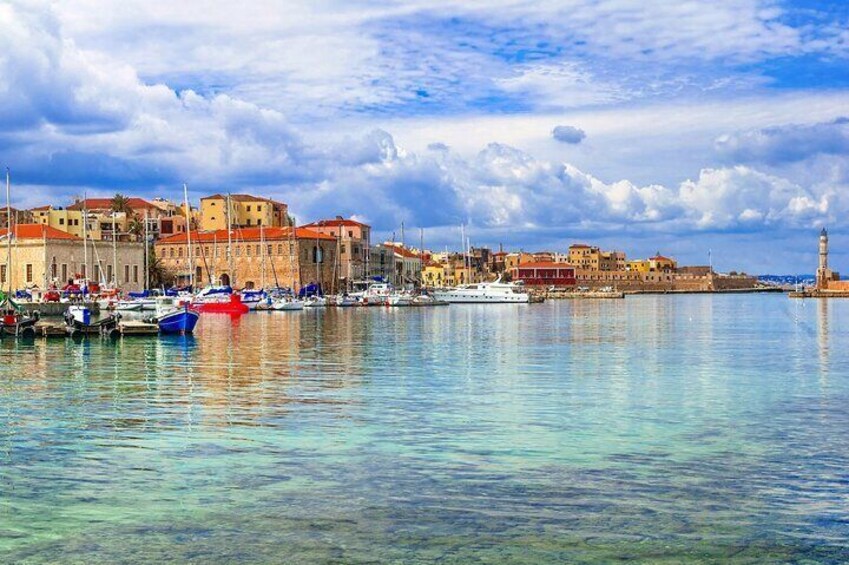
14 321
174 316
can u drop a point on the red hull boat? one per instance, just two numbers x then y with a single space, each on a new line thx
232 306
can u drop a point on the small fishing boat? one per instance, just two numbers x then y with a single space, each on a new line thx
174 316
128 306
79 323
14 322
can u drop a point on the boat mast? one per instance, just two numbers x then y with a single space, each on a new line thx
231 274
262 255
9 232
114 252
85 241
463 250
189 236
146 252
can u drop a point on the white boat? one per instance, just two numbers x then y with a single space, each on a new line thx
345 300
315 302
485 292
129 305
377 293
399 299
286 304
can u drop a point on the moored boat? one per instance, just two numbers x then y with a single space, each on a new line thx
484 293
172 316
80 323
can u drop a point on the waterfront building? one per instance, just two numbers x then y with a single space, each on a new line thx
354 243
43 256
260 257
436 275
245 211
408 266
545 274
513 260
382 262
592 258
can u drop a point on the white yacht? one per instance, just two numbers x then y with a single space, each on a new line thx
485 292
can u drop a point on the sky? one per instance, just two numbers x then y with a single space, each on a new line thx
691 128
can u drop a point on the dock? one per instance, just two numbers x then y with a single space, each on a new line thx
137 328
51 329
813 293
584 295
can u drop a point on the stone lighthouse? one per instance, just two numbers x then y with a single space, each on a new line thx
824 275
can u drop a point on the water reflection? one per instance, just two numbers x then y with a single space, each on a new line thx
526 433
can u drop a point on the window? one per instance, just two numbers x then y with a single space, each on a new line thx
84 271
342 249
64 272
238 251
268 251
171 252
61 221
280 249
29 272
109 273
249 207
317 255
249 221
135 273
180 252
3 273
259 222
350 233
248 250
259 208
259 249
126 274
53 269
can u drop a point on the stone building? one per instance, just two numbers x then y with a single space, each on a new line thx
245 211
354 241
261 257
382 262
43 256
583 256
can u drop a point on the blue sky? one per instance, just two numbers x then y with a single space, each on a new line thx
667 126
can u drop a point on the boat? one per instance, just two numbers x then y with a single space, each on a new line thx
174 316
287 303
79 323
253 298
378 293
220 304
347 300
15 322
485 293
127 306
315 302
399 299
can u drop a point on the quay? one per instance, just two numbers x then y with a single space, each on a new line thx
55 309
582 295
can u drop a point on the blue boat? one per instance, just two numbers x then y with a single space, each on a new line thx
174 318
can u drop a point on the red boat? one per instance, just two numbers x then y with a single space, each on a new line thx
231 304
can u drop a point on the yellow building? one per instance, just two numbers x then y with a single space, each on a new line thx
63 219
245 211
437 275
656 264
594 259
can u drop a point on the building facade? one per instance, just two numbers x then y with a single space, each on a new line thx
246 211
44 257
545 274
260 258
592 258
354 242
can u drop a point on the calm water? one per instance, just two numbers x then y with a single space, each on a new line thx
657 428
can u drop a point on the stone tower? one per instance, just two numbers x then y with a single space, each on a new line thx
823 274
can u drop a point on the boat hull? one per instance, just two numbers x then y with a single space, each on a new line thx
180 322
232 306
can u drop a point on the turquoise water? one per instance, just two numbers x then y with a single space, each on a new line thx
656 428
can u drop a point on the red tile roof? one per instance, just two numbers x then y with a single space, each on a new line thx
106 204
404 252
662 258
38 231
246 234
40 208
336 222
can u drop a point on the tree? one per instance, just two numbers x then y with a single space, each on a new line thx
157 273
136 226
121 203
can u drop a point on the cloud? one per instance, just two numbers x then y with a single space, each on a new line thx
568 134
786 144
